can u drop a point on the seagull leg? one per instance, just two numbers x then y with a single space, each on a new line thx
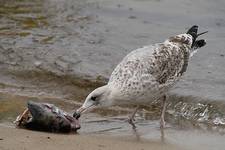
131 118
162 120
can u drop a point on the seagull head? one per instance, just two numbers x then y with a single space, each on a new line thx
100 97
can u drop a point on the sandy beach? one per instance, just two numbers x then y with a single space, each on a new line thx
19 139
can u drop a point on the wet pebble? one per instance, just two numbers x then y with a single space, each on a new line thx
145 22
132 17
37 63
91 42
101 145
119 5
41 93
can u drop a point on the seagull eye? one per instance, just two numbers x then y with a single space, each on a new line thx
93 98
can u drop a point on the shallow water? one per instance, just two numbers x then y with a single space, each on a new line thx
180 131
58 51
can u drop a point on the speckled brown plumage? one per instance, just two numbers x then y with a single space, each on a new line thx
148 72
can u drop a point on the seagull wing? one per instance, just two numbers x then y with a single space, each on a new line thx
153 66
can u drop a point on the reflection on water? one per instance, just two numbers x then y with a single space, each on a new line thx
183 123
184 128
197 110
180 114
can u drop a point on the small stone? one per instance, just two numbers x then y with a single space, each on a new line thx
132 17
13 63
41 93
119 5
37 63
101 145
145 22
1 139
222 55
91 42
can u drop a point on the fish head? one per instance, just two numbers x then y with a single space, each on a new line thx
41 112
49 117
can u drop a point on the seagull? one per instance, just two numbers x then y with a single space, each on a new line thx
146 74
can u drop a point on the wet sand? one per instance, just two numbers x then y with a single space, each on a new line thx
107 129
18 139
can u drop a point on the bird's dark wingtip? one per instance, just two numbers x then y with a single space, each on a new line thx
193 31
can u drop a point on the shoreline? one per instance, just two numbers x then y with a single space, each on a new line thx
21 139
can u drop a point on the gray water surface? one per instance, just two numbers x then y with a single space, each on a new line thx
88 38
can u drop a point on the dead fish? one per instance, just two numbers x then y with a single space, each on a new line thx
47 117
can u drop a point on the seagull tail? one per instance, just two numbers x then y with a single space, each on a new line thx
193 31
199 44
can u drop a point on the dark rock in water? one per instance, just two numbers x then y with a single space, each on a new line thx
47 117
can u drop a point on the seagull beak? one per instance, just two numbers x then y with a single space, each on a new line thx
81 110
78 112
